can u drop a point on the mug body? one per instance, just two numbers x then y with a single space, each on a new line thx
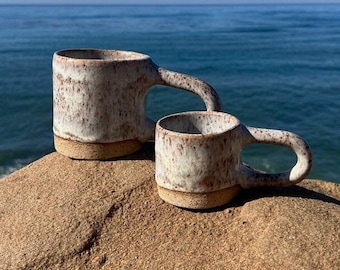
99 102
197 158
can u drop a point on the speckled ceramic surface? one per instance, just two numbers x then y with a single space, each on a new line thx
99 98
198 156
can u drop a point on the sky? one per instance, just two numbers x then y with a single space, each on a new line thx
164 1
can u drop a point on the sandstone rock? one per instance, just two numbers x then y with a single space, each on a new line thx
59 213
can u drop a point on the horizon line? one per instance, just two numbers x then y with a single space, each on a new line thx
172 4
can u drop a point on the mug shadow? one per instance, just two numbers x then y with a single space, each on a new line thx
293 191
147 152
249 195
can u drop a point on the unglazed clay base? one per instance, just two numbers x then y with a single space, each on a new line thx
99 151
198 200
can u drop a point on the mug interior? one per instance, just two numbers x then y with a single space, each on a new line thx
200 123
105 55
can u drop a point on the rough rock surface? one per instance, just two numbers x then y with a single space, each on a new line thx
58 213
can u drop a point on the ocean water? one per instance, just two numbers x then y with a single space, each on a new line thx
274 66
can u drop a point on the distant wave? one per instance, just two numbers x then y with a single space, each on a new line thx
15 165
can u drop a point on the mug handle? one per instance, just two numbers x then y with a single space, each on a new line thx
191 84
254 178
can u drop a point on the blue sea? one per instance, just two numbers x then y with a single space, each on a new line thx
274 66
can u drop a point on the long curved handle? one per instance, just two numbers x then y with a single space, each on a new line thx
253 178
191 84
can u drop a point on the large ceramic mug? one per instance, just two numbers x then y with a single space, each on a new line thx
99 101
198 158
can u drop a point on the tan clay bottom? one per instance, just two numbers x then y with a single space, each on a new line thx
198 200
99 151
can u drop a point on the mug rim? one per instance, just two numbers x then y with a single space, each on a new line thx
125 56
170 132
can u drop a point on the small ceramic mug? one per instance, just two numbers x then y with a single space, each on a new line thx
99 101
198 158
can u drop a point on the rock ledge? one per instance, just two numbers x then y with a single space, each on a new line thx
59 213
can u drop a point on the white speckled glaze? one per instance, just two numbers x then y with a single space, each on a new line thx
99 95
199 152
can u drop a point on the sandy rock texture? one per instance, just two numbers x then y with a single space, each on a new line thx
59 213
